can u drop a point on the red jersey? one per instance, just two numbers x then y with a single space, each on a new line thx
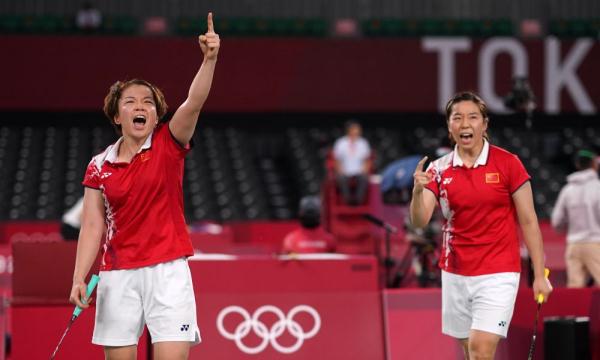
143 201
308 241
480 226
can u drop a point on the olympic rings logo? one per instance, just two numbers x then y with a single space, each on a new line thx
269 335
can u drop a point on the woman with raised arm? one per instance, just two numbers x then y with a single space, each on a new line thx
133 195
483 191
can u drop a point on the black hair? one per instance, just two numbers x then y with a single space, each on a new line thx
467 96
350 123
310 212
584 159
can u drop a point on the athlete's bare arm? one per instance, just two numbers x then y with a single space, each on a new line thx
422 203
523 199
183 123
92 228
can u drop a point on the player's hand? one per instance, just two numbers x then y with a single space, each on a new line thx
210 42
77 296
421 177
541 286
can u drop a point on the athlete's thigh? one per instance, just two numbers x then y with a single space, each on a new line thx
120 352
169 303
119 309
483 344
493 302
456 307
171 350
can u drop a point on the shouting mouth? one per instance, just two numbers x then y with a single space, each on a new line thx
139 121
465 138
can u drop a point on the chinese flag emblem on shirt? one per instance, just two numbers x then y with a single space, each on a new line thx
492 178
145 156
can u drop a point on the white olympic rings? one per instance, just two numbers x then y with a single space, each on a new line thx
253 323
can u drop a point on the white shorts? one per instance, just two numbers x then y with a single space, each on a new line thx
484 302
160 296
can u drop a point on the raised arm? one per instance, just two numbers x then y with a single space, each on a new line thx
183 123
422 203
523 199
92 228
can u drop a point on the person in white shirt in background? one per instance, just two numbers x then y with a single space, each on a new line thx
352 156
578 209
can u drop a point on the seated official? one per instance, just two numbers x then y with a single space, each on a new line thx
352 156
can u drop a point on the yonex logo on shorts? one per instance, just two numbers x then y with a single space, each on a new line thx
185 327
502 323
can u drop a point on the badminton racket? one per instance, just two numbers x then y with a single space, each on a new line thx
90 288
540 300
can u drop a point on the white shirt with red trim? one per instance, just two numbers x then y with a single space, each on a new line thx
143 201
480 227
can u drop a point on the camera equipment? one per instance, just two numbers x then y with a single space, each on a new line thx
521 98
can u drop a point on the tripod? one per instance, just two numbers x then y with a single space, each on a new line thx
388 262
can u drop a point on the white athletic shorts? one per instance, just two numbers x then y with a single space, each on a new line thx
160 296
484 302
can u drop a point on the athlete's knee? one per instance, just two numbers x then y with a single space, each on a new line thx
482 345
120 352
481 350
171 350
464 343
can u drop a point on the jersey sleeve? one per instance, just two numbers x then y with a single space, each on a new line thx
433 185
91 178
172 146
517 175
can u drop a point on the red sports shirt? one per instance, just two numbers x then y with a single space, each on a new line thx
308 241
480 227
143 201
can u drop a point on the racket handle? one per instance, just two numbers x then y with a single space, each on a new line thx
90 288
540 298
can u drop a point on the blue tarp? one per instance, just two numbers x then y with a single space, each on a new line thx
399 174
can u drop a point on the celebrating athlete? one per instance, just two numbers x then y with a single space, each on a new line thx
482 190
133 194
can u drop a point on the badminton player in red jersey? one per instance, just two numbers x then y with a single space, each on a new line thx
133 195
483 192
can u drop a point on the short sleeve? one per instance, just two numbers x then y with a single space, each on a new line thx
517 175
91 178
172 146
433 185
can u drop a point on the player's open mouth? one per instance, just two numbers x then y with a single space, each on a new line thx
139 121
466 136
